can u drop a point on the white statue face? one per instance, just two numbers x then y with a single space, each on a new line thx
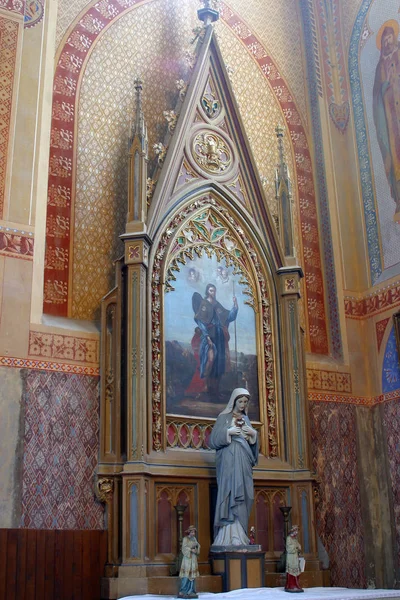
241 403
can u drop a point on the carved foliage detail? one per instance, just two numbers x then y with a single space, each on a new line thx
205 225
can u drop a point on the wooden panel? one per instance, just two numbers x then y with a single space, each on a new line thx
235 574
59 565
41 539
254 566
77 566
21 554
49 573
3 562
11 578
31 557
51 565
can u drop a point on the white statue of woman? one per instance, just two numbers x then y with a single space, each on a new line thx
236 443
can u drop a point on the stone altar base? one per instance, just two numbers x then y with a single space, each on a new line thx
240 568
113 588
317 593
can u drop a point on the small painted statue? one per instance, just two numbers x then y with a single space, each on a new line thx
189 568
252 536
293 570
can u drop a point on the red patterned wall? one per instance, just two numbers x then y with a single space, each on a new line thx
8 55
61 441
339 523
57 292
391 424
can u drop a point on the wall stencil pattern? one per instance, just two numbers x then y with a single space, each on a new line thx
8 54
339 524
391 423
61 439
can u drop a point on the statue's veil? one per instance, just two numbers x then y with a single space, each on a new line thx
235 394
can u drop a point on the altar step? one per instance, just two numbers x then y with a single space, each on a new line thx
113 588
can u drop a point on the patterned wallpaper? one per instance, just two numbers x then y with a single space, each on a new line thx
259 111
269 19
139 46
339 524
391 423
61 440
68 10
104 108
348 19
8 54
278 25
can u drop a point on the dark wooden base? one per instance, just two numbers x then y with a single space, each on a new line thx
239 569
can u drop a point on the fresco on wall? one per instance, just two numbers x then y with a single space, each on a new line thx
380 80
210 340
391 366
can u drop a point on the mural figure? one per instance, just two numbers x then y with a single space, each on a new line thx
293 570
236 443
386 106
189 567
210 339
212 336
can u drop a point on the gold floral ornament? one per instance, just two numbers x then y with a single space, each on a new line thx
150 187
190 59
182 86
207 233
171 117
211 153
198 34
104 489
160 151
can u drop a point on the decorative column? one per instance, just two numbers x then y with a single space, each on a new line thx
176 567
294 374
137 178
137 245
108 491
136 257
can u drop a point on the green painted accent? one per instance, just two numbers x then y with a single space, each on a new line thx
202 230
202 217
217 234
134 364
296 383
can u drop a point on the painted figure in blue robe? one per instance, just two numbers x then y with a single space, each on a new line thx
213 321
236 445
386 106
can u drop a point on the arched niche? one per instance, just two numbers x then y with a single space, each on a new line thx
207 239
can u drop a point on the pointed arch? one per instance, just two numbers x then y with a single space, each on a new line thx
187 232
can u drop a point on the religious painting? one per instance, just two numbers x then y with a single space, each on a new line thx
210 339
396 327
380 84
391 365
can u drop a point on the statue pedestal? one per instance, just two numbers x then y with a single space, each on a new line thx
240 566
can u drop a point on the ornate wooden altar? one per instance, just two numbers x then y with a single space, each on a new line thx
200 220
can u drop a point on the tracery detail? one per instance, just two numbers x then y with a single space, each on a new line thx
205 226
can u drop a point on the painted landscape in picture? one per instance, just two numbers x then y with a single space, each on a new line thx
210 340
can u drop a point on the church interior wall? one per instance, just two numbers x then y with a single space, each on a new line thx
49 363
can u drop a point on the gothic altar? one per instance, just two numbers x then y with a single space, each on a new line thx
199 227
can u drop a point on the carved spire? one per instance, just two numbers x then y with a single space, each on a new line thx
138 156
210 11
283 189
139 126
